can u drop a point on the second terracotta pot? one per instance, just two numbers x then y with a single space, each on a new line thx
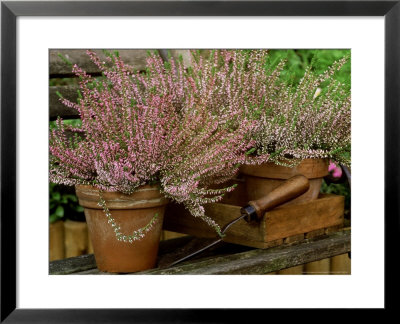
130 212
262 179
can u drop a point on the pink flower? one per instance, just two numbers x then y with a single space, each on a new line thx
336 170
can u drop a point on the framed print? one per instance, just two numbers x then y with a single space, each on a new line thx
33 30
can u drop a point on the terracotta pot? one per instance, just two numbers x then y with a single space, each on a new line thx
130 212
262 179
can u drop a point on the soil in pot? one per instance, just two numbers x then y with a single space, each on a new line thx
261 179
130 212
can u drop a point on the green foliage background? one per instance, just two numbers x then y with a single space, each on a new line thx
320 59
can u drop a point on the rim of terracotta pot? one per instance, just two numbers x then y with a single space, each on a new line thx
310 168
146 196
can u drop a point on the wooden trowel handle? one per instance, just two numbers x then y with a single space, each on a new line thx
285 192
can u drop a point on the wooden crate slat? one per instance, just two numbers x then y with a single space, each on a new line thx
291 220
178 219
278 224
294 239
315 233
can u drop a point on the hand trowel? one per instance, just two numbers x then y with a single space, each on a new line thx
254 211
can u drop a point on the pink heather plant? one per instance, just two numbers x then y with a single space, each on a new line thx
185 130
310 120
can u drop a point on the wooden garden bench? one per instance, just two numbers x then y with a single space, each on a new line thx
224 258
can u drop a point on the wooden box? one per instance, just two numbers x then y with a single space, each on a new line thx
283 224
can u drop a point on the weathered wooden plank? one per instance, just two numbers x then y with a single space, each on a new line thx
87 263
59 68
176 53
169 251
225 260
134 57
71 265
264 261
57 108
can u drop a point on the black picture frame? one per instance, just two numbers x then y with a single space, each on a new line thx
10 10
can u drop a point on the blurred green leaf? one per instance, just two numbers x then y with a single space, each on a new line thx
63 204
53 218
60 211
71 197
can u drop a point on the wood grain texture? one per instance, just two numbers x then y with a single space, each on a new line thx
277 224
287 191
56 241
56 106
90 244
305 217
315 233
72 265
340 265
333 229
186 57
264 261
256 261
297 270
76 238
59 68
320 267
294 239
237 197
257 187
178 219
